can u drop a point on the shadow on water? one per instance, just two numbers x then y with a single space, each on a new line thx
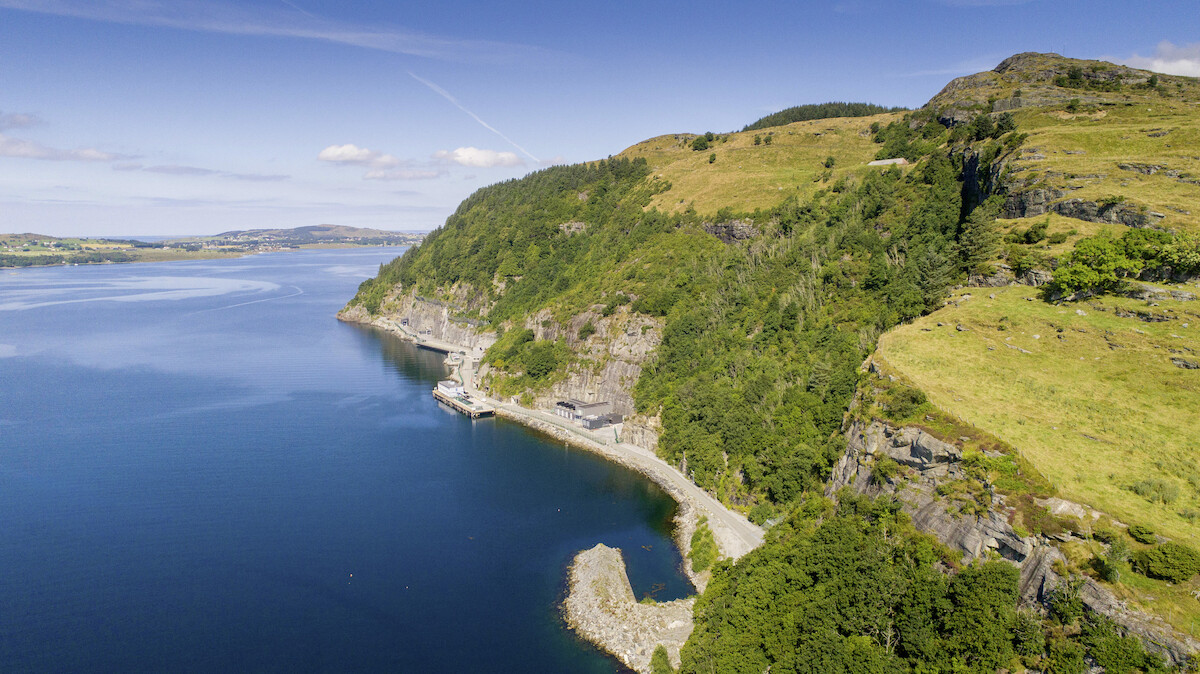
648 574
407 359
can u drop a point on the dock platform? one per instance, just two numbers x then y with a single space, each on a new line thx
465 404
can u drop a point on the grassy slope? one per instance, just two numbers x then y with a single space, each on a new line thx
746 176
1120 134
1095 408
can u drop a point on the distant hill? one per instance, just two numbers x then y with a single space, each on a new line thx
314 232
804 113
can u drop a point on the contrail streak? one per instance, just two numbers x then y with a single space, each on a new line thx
293 6
446 95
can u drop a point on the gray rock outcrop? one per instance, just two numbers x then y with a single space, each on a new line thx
1029 203
601 607
622 344
933 462
411 314
731 230
1116 214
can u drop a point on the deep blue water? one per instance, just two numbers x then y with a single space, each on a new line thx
202 470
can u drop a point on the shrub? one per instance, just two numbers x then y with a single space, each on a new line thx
1170 561
885 469
540 360
1109 565
712 158
761 513
1057 238
1066 657
660 662
704 547
1065 604
1036 232
1142 534
587 330
905 401
1028 636
768 139
700 143
1096 263
757 139
1156 490
614 301
830 161
1115 653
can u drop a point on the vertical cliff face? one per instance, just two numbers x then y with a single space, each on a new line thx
610 360
404 311
928 463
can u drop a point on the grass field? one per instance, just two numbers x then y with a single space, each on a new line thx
746 176
1093 400
1083 152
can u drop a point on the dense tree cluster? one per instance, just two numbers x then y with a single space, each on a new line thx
1102 263
857 589
9 260
804 113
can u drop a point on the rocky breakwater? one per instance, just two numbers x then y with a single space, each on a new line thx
928 463
600 605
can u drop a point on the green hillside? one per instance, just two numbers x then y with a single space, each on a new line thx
776 258
746 175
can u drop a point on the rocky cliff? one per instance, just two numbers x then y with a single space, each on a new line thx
438 320
931 463
610 360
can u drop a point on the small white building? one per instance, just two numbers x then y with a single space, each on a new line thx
451 388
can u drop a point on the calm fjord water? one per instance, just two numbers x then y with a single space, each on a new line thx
202 470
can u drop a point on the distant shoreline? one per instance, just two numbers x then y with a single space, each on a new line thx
184 256
18 251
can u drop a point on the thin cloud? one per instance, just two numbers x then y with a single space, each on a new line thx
360 156
968 67
983 3
446 95
257 177
178 170
18 120
1169 59
477 158
402 174
382 166
27 149
286 21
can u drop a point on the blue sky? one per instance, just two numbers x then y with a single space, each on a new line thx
145 117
